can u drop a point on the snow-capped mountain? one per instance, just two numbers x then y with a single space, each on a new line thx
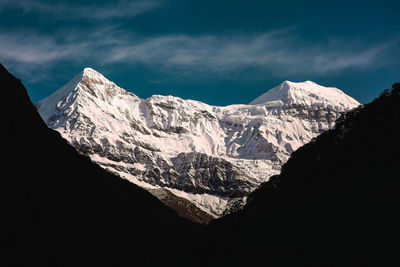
199 159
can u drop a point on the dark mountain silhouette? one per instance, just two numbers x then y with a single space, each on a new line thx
335 203
60 209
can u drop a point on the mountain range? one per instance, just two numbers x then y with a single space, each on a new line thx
335 202
203 161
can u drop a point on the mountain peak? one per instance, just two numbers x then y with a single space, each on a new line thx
91 73
88 86
210 156
307 93
294 84
91 76
88 69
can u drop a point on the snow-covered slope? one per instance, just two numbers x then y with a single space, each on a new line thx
307 93
186 151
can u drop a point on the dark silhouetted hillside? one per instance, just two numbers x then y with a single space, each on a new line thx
60 209
336 202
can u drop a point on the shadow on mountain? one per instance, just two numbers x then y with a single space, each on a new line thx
335 203
60 209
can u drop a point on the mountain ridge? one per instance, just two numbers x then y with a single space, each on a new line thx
307 93
60 209
214 156
334 203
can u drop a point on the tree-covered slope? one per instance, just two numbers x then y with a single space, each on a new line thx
336 201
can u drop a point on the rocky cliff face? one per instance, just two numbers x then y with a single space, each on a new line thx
211 157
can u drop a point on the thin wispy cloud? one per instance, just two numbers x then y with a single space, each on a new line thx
274 50
37 50
61 10
278 52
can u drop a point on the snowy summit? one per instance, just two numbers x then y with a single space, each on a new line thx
307 93
199 159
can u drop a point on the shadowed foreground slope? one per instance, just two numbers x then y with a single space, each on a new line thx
60 209
336 201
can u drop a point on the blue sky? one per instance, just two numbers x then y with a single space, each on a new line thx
219 52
